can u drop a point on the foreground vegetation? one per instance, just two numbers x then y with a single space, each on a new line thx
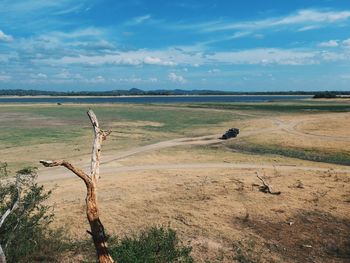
26 235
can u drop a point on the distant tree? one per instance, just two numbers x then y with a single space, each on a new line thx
325 95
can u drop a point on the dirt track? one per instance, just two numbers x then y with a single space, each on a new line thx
63 174
290 127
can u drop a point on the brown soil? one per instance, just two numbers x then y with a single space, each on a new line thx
211 195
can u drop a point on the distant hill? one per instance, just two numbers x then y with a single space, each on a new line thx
139 92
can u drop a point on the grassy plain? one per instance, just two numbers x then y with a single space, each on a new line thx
207 192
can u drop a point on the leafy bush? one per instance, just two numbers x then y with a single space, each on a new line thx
25 236
156 245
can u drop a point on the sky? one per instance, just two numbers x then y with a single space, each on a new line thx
250 45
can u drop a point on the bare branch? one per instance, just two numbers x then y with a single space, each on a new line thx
105 134
14 206
261 179
80 173
265 188
2 256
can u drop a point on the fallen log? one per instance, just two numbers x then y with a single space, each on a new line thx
265 188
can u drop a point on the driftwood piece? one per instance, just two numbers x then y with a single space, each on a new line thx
97 230
265 188
10 210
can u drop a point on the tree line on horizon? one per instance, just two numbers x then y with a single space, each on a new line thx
139 92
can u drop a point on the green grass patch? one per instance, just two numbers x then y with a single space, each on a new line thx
172 120
28 136
310 154
295 107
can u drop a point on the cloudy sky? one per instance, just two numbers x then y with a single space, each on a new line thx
249 45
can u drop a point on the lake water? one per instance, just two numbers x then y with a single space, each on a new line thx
150 99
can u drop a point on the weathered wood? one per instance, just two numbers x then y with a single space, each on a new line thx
97 230
265 188
2 256
69 166
100 136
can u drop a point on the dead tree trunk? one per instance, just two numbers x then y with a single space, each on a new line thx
97 229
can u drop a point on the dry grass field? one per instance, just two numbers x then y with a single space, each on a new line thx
164 165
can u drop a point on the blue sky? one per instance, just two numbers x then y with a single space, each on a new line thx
220 45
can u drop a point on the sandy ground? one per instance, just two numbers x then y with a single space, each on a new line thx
212 198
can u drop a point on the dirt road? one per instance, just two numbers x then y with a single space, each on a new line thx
58 173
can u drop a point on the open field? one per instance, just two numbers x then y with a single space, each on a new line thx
164 165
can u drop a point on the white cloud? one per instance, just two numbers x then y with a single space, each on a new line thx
131 58
345 76
176 78
214 70
139 20
84 32
4 37
4 77
68 10
66 75
96 80
346 42
39 76
240 34
330 43
334 56
187 57
38 15
265 56
259 36
310 15
307 18
137 80
153 80
157 61
34 6
308 28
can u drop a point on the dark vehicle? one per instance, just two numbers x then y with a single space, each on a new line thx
231 133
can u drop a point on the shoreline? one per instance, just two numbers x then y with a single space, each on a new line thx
144 96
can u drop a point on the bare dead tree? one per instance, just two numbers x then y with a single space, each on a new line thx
11 209
265 188
97 230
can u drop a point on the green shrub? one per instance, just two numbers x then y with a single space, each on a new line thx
156 245
25 236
